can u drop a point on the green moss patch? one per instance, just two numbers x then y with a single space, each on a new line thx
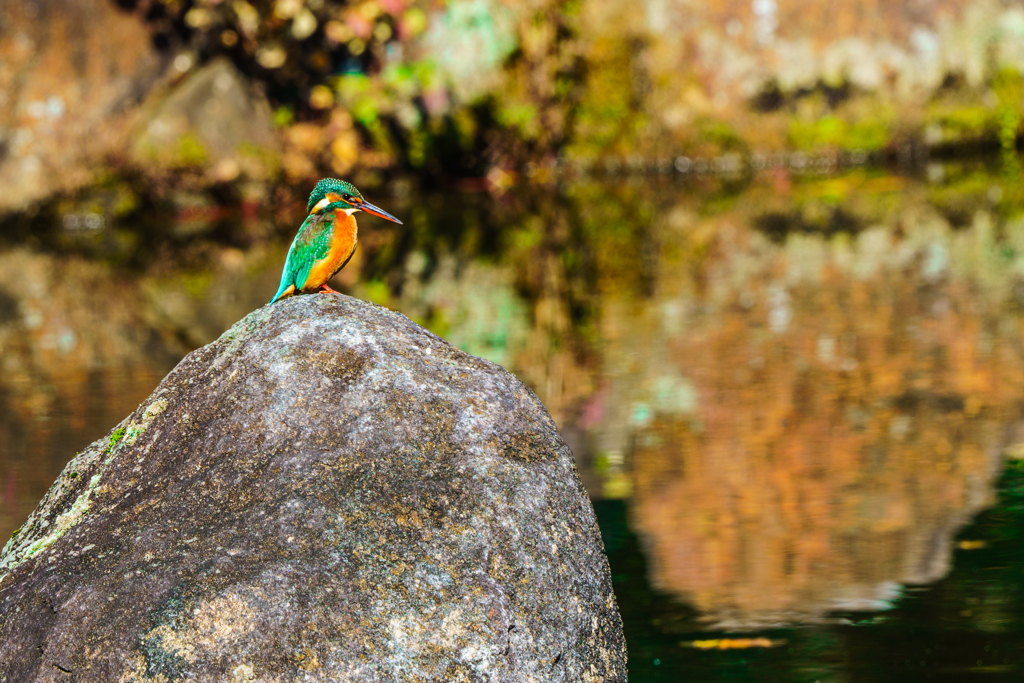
115 438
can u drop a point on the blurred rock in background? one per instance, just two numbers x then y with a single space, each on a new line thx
212 120
71 74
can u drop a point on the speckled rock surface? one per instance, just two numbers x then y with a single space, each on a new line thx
326 493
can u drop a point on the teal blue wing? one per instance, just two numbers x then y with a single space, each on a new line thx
310 245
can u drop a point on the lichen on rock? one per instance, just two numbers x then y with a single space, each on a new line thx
56 515
328 492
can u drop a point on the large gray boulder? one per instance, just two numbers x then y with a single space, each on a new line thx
327 493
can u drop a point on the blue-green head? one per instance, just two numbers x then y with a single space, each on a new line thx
331 193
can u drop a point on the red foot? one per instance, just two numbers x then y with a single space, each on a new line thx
325 288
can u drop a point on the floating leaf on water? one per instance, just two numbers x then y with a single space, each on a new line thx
732 643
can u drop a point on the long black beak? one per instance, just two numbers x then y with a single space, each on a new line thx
376 211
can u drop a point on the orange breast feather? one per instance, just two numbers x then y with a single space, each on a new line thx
343 243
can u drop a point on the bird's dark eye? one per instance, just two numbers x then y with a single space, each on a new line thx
346 196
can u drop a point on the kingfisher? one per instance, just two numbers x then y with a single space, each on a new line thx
327 238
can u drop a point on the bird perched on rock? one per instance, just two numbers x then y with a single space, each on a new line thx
327 238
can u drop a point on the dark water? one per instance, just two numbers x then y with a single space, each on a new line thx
967 626
795 401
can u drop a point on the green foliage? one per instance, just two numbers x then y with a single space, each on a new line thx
443 85
283 116
521 117
969 122
834 132
607 112
417 146
1008 87
190 151
376 291
998 119
720 134
196 283
437 322
375 102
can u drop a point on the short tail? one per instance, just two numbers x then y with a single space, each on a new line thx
284 290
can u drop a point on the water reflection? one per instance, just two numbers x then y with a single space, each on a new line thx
820 423
803 390
81 345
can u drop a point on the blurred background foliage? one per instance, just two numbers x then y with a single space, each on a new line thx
245 98
396 84
467 86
